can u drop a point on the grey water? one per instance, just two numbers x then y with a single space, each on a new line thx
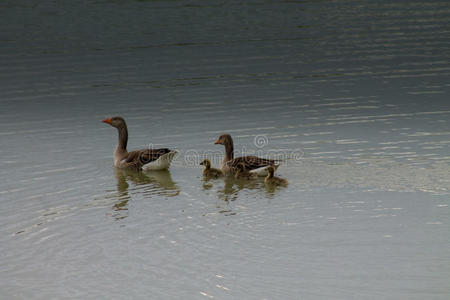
352 96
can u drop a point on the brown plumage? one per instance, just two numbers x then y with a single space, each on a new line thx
230 163
273 180
243 173
210 172
135 159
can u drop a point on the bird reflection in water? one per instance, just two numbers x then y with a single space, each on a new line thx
271 190
150 183
231 190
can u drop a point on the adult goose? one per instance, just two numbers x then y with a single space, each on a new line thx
252 164
147 159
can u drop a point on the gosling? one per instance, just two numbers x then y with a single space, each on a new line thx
273 180
242 173
210 172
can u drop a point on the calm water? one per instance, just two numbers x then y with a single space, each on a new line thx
352 95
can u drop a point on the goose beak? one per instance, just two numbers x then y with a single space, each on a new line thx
217 142
109 121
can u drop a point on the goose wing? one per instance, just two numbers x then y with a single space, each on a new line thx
136 159
251 162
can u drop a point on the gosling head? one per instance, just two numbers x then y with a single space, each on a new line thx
271 171
206 162
240 167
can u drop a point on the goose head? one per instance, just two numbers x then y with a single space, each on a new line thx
117 122
227 141
224 139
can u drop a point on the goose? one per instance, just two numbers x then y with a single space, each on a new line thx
210 172
242 173
253 164
145 159
273 180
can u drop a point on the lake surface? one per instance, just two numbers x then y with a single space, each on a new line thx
353 96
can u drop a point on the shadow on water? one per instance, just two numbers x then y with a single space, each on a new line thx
150 183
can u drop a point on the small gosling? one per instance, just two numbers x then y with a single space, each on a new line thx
273 180
210 172
242 173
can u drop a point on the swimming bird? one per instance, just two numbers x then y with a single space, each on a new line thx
147 159
253 164
273 180
242 173
208 171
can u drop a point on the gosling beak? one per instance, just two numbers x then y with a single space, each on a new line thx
201 164
108 121
217 142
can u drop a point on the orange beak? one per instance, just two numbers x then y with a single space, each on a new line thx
109 121
217 142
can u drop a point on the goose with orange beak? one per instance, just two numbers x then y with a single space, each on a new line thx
253 164
145 159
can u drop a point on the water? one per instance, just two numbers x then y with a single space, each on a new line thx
353 95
